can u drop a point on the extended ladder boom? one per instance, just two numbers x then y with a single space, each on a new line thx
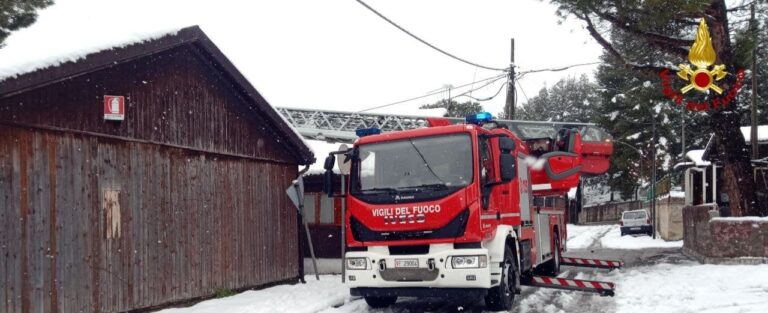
341 126
337 126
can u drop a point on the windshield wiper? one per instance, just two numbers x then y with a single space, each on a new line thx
376 190
425 161
438 186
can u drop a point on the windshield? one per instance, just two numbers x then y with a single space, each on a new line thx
634 215
428 162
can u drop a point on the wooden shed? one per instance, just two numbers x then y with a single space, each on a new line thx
184 195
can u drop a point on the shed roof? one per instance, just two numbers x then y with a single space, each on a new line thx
34 75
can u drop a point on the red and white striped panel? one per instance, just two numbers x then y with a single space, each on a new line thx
591 262
575 283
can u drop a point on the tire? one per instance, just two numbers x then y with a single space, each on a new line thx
380 302
622 233
554 266
501 297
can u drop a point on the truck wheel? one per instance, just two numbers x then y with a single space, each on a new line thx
554 268
501 297
380 302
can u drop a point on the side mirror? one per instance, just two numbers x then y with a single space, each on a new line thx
507 167
329 162
506 144
328 185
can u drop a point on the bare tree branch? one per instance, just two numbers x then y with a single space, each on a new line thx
670 44
615 53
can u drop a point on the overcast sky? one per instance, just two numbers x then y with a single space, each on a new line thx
336 54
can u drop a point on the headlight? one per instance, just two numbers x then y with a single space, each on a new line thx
357 263
469 261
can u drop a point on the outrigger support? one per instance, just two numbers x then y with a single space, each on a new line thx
608 264
599 287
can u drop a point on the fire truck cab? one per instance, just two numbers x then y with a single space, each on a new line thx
448 210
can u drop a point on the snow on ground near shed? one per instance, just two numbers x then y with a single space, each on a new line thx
311 297
691 287
581 237
614 240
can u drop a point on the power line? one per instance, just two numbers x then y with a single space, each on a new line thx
523 90
427 43
469 92
501 87
556 69
432 93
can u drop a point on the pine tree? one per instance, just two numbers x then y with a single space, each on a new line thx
455 108
568 100
17 14
654 24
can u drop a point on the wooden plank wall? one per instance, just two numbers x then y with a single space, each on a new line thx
186 223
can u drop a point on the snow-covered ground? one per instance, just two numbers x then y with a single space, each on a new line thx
314 296
659 286
581 237
609 236
614 240
691 287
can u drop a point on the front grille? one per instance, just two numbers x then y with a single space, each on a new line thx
409 274
455 228
408 250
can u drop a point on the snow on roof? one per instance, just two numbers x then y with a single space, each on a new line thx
696 157
742 219
16 60
762 133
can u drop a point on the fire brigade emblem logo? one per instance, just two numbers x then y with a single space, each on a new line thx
702 76
702 56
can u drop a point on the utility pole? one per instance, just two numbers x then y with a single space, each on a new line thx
509 110
753 132
682 117
653 176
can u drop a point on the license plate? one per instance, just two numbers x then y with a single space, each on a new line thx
634 228
406 263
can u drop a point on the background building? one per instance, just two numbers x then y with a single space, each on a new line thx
184 195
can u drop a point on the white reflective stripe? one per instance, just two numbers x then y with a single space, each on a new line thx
493 216
538 280
542 186
572 283
605 286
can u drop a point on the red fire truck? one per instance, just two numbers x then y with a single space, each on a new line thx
447 210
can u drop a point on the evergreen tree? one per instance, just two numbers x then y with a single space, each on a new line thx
455 108
568 100
667 29
17 14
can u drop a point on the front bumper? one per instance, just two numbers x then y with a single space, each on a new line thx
442 275
642 229
419 292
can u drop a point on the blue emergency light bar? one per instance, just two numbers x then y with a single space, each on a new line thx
362 132
479 118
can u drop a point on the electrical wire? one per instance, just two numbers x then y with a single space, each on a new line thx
497 77
523 90
501 87
555 69
427 43
478 88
